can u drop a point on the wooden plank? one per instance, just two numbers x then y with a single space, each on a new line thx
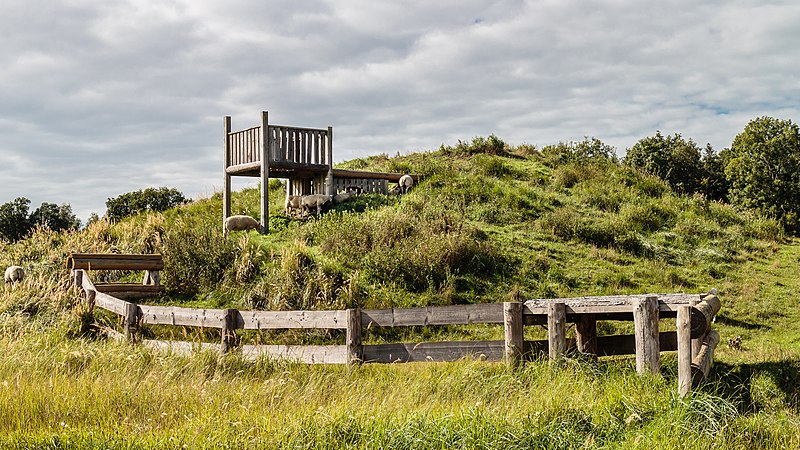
610 345
111 288
514 338
112 261
308 354
608 304
174 315
645 321
110 303
267 320
434 351
131 321
556 331
182 348
355 348
264 146
228 334
684 337
433 315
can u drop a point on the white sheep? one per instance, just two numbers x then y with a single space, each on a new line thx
317 201
293 202
14 274
405 183
343 197
240 223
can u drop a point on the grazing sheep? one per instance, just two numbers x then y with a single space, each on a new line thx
14 274
343 197
240 223
318 201
293 202
405 183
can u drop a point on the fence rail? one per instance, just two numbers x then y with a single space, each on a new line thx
292 145
694 314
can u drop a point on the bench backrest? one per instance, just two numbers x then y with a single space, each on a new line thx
111 261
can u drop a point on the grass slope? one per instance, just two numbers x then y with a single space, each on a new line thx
487 224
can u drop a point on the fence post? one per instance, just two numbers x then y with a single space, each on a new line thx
684 331
329 162
226 191
701 365
264 147
355 349
697 342
514 339
586 334
228 331
645 322
556 330
131 319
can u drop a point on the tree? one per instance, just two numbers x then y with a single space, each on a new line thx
14 223
589 150
713 182
763 169
670 158
150 199
54 217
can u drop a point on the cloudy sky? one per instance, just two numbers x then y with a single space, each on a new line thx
98 98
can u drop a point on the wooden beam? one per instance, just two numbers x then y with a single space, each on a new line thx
703 314
684 335
645 320
270 320
264 147
329 189
698 341
434 351
226 182
701 365
433 315
586 334
512 323
355 349
556 331
131 320
228 334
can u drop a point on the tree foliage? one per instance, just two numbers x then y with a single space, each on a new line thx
54 217
150 199
763 169
586 151
15 223
671 158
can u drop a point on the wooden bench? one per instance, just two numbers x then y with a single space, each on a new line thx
150 264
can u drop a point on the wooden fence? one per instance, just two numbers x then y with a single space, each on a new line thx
290 145
694 340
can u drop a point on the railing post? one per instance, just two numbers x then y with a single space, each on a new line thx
355 347
226 192
329 188
556 330
131 319
586 334
264 144
684 331
645 322
514 338
228 331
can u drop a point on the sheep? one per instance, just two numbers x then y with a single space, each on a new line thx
293 202
318 201
343 197
405 183
240 223
14 274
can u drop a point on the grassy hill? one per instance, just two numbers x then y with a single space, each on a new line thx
487 224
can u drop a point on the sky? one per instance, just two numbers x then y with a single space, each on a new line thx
99 98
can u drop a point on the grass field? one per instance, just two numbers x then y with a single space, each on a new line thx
527 229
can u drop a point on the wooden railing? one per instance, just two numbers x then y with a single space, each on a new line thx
294 145
694 340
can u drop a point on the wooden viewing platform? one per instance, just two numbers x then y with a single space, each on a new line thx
302 156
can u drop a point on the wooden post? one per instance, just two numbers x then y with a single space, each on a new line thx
131 319
684 330
228 331
329 188
703 315
701 365
586 334
355 349
264 144
556 330
77 277
512 323
226 192
697 342
645 321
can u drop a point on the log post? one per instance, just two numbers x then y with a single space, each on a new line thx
264 144
228 331
329 190
703 314
226 192
514 339
684 331
586 334
77 277
355 348
696 342
645 321
131 321
556 330
701 365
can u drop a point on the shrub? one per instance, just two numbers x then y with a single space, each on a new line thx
670 158
196 258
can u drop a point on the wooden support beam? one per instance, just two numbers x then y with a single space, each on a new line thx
131 321
645 321
264 146
514 339
701 365
586 334
556 330
329 162
696 342
355 348
684 331
228 334
226 182
703 314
